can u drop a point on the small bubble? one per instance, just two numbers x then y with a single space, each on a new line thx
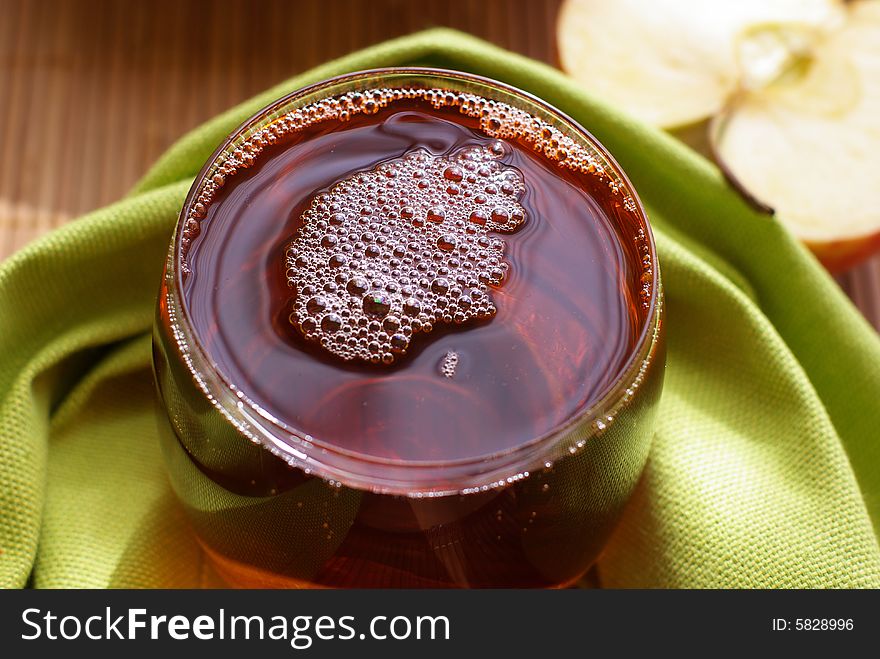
453 174
377 305
357 286
440 285
447 242
399 342
411 306
337 260
500 216
436 214
316 305
331 323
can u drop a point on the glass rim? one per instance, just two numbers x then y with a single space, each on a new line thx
310 453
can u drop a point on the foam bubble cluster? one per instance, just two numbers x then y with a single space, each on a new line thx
394 251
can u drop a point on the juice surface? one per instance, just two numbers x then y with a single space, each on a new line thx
554 318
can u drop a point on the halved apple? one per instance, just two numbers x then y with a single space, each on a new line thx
808 143
790 90
675 62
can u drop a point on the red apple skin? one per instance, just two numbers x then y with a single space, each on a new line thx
840 255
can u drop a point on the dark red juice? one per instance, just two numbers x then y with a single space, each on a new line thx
406 278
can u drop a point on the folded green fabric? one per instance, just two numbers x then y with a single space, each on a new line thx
765 471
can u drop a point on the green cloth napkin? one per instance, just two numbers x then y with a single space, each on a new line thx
765 471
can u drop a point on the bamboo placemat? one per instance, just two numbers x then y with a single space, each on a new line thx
92 91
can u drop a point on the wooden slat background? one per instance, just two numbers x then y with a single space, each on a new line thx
92 91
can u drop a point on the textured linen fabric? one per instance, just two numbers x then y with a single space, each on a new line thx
765 471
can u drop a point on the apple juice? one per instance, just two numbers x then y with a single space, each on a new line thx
417 284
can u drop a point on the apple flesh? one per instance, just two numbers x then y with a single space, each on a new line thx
808 144
675 62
